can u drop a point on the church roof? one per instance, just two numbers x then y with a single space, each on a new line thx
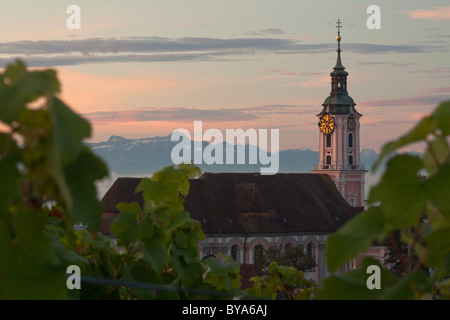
250 203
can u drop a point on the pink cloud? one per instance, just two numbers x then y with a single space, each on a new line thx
435 13
92 92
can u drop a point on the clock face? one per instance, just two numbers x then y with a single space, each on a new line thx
326 124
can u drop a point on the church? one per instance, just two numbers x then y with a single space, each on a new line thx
244 213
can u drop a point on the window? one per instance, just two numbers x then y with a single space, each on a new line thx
350 140
351 201
350 159
328 159
258 259
310 250
328 145
287 246
234 252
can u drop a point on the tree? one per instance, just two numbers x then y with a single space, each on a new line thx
290 256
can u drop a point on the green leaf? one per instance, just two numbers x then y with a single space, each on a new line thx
69 131
438 189
401 191
419 132
124 227
412 287
352 285
27 272
442 117
185 261
436 154
9 182
140 272
437 246
14 71
23 87
129 228
356 236
222 276
155 253
132 208
80 177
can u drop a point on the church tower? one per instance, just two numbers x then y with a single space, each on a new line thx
339 144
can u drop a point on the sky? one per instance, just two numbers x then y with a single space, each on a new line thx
143 68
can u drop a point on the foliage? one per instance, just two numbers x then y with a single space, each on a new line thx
47 184
290 256
160 245
282 282
47 188
404 202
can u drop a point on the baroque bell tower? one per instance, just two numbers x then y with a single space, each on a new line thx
339 144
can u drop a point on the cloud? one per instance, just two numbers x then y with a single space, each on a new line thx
389 64
440 90
263 32
45 53
438 70
435 13
426 100
192 114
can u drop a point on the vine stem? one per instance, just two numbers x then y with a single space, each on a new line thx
119 267
394 244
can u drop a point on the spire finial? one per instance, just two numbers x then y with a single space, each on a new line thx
338 38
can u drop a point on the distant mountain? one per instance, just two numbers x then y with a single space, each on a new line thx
131 157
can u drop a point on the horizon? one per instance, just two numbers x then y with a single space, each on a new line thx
145 69
214 142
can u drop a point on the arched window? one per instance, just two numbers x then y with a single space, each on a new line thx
310 250
328 160
350 140
258 259
287 246
328 145
234 252
350 159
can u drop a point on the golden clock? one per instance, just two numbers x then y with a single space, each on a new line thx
326 124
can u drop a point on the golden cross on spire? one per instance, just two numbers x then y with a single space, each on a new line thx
338 38
338 25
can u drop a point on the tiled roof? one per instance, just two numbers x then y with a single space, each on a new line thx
250 203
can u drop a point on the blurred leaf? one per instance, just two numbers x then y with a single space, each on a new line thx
401 191
442 117
27 272
9 181
354 237
438 189
412 287
352 285
80 177
436 154
438 246
426 126
70 129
